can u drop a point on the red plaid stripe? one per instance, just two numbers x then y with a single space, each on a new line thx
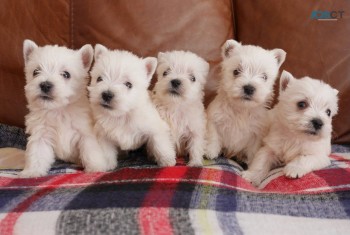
7 224
154 219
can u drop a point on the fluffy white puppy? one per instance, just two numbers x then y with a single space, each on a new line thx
300 133
237 115
59 121
124 113
178 96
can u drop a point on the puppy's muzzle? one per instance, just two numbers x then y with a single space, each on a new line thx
317 124
175 83
107 96
46 87
248 90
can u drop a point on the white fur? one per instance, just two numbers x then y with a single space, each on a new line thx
183 110
61 124
130 119
292 140
235 124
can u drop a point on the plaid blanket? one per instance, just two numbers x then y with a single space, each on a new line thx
141 198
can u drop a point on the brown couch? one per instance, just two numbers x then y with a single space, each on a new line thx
316 48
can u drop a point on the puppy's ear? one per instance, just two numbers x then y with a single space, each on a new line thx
161 57
28 47
335 92
151 65
285 80
205 71
280 56
86 54
228 48
336 108
99 50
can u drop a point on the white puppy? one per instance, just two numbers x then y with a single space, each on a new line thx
124 113
59 121
300 131
178 95
237 115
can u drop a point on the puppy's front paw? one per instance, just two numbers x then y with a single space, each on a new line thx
110 166
251 177
211 154
164 162
31 174
195 163
98 166
294 171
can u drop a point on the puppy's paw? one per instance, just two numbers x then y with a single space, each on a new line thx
164 162
112 163
294 171
251 177
195 163
211 155
111 166
31 174
98 169
212 151
98 166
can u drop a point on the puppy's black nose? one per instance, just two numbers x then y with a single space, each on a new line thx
46 86
248 90
175 83
107 96
317 123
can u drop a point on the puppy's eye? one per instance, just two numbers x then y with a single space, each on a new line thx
264 76
328 112
166 72
36 72
99 79
236 72
128 85
66 75
193 78
302 105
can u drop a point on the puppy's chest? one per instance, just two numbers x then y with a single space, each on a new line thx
125 134
59 129
239 129
180 124
67 138
286 147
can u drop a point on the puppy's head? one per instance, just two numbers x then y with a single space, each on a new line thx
181 76
307 105
249 72
119 80
55 76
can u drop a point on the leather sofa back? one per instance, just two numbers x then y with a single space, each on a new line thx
145 27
